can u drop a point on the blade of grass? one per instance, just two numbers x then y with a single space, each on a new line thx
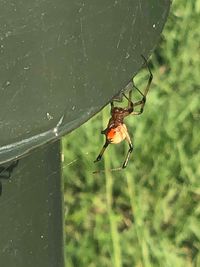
138 223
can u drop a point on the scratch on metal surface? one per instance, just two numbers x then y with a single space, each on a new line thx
120 37
105 9
14 96
131 35
82 39
122 31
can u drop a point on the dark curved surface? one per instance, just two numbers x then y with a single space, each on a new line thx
62 61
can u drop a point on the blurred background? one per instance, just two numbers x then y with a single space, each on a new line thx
149 213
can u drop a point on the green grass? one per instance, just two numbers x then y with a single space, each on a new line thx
148 214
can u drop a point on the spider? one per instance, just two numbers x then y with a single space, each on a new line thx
116 130
6 171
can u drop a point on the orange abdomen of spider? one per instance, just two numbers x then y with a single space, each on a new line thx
117 134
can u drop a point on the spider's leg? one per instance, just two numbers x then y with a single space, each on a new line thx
128 139
111 107
143 100
127 156
140 103
130 103
102 151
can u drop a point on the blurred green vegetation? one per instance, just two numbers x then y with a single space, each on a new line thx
148 214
